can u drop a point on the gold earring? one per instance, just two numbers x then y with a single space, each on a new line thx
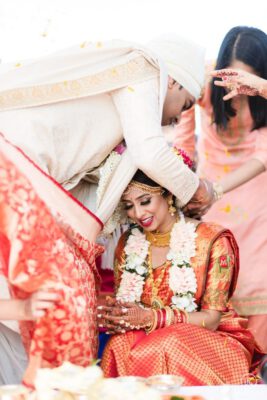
171 209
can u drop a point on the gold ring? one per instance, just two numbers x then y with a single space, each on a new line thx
231 87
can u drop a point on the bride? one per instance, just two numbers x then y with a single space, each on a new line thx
174 278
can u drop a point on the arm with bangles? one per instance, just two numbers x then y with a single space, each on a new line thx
29 309
123 317
245 83
246 172
241 175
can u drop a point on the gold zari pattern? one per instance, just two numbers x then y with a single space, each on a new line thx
134 71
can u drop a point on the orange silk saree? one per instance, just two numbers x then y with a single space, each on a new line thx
201 356
46 239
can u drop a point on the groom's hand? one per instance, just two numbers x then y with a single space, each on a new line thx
202 200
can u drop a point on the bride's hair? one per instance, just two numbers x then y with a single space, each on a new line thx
141 177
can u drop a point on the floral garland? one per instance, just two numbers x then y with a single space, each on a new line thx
135 268
106 173
182 279
184 157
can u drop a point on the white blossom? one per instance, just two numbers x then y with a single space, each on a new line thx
141 270
131 287
185 302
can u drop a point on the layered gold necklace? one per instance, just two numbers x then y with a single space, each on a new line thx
159 239
156 239
155 284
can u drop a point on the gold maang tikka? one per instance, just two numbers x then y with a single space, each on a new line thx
144 188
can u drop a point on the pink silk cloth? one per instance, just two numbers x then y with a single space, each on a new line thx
46 240
199 355
244 209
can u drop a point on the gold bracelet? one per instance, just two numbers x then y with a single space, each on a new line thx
185 316
217 190
154 322
169 316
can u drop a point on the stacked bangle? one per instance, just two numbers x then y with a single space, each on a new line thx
180 316
154 322
217 190
166 316
169 316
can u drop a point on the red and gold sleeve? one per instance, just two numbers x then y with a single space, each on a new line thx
219 276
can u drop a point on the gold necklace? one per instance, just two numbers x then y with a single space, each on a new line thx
155 284
159 239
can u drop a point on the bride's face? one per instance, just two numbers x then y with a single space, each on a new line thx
150 211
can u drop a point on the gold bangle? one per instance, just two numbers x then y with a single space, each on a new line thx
185 317
169 316
154 322
217 190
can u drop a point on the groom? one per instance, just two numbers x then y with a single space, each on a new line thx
68 111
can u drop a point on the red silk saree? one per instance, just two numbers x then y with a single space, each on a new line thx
46 240
201 356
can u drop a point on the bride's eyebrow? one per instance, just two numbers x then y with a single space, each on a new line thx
142 195
137 198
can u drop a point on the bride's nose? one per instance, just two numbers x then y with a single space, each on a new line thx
139 212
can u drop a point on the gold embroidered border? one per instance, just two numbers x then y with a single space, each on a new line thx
250 305
134 71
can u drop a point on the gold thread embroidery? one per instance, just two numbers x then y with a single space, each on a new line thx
134 71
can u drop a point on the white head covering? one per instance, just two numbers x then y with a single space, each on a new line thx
184 60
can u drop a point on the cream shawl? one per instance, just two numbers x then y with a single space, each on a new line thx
81 71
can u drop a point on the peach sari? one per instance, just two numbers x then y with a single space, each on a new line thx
244 209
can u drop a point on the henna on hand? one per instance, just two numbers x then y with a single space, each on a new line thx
125 317
238 82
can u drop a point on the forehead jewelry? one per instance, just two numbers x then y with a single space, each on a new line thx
144 188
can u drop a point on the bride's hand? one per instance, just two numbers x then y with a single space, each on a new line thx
124 317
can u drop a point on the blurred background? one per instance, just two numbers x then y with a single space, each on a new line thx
30 28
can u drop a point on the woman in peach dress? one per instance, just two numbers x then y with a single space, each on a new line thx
232 151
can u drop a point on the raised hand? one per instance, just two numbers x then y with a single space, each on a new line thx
202 200
240 82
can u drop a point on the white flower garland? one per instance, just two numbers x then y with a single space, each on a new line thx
135 269
106 173
182 278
